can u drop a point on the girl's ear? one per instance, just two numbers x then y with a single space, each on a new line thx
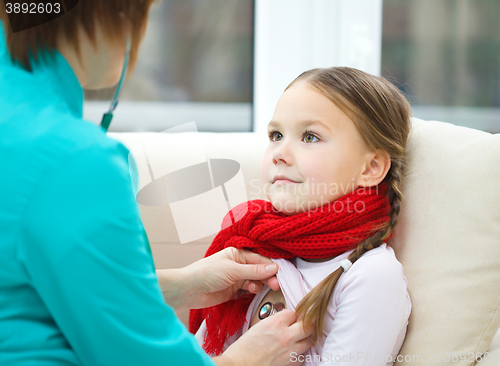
378 164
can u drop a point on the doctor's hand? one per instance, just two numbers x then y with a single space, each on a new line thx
277 340
223 276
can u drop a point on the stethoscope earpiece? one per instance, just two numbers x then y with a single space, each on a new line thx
108 117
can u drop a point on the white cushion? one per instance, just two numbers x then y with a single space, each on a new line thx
448 240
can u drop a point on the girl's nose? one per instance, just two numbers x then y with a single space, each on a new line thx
282 154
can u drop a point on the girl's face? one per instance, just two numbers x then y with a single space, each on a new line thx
315 154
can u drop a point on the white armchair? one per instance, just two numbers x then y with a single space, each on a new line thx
448 236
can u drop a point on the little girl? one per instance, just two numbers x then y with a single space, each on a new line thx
332 174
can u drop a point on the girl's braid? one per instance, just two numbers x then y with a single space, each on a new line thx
393 180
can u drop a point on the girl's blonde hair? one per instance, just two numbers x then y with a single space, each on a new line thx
381 115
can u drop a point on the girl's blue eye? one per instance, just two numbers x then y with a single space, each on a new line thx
309 137
273 134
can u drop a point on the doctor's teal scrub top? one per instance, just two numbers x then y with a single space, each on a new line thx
77 280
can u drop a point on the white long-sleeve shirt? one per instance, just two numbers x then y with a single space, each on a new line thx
367 315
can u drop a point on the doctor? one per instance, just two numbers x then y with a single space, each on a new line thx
77 280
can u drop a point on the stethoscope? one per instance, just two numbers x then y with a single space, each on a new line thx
269 309
107 117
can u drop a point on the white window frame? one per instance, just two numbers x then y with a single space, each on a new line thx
292 36
159 116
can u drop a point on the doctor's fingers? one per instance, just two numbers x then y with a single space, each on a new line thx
299 332
256 287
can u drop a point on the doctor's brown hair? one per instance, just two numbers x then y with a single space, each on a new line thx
117 18
381 115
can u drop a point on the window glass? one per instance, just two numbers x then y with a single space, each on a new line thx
194 51
445 56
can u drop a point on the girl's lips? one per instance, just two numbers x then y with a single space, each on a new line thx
284 181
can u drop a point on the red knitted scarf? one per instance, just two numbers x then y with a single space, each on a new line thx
321 233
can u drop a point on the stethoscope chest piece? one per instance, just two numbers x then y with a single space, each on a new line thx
268 309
